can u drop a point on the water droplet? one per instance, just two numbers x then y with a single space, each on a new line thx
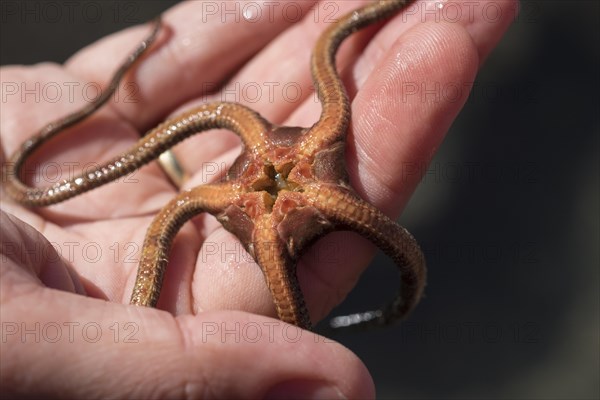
250 13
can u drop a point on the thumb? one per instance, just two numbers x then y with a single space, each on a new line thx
59 343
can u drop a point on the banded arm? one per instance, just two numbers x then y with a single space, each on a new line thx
163 229
246 123
347 211
335 115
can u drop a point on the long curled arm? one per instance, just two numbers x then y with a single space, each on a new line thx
235 117
347 211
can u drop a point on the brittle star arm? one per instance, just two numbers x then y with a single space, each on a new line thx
240 119
279 269
335 115
163 229
167 160
347 211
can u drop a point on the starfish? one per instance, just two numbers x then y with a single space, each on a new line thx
288 187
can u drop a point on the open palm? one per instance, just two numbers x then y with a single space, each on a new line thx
99 234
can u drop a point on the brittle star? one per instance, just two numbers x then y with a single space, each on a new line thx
288 188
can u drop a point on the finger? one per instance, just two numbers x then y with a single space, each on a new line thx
201 45
398 123
410 109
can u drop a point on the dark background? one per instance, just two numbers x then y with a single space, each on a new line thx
508 215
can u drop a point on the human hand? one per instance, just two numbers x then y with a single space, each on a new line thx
114 217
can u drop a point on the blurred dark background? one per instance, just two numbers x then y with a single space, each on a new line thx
507 214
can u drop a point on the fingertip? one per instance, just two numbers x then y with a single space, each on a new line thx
487 21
